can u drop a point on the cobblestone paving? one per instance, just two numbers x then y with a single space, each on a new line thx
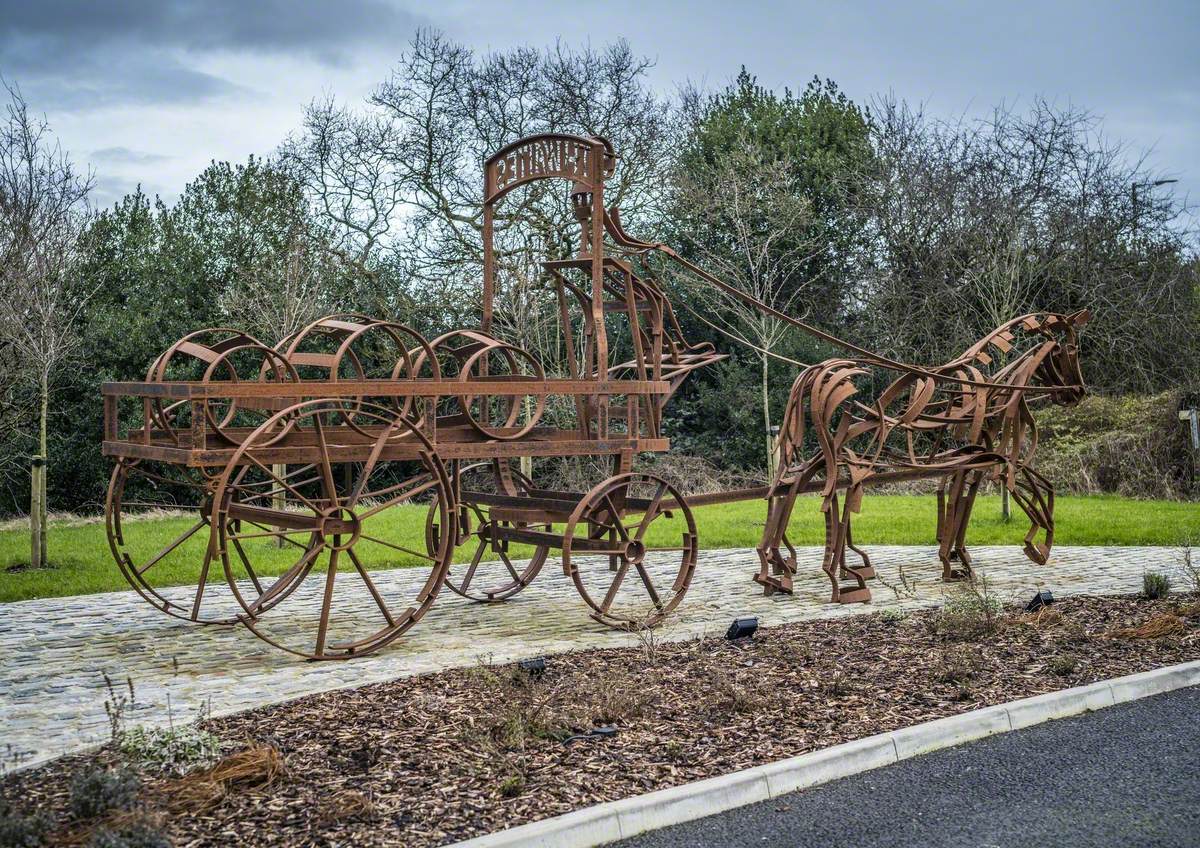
54 651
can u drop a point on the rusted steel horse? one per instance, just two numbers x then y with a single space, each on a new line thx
965 422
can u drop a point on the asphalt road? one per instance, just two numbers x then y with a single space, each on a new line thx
1124 777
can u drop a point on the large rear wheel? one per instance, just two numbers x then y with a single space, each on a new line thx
336 516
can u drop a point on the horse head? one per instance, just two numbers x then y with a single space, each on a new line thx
1059 369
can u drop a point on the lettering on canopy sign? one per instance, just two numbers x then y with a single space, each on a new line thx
549 156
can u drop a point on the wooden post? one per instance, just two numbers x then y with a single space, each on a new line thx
37 490
278 501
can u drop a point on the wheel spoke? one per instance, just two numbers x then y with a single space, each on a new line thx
246 564
366 578
285 579
651 512
369 466
285 535
284 483
400 548
326 467
470 575
409 495
327 600
616 585
201 585
616 520
641 570
179 540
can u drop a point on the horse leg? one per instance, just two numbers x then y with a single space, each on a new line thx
967 503
835 556
866 571
775 568
1035 495
951 516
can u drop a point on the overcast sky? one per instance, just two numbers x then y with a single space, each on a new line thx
149 92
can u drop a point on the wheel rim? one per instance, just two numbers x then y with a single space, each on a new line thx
631 566
337 520
179 576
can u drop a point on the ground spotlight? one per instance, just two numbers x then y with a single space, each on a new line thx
535 667
1041 599
742 628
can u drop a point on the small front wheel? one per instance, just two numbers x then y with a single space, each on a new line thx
637 523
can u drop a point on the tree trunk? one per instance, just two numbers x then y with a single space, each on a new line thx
766 408
1005 507
37 481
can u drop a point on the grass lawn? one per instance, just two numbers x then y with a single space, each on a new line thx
83 563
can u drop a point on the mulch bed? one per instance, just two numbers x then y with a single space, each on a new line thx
438 758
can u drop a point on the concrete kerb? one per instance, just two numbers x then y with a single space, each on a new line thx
628 817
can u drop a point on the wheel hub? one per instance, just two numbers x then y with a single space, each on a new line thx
340 528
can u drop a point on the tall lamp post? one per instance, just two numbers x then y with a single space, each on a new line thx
1150 184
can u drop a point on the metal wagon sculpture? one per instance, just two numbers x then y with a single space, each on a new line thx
280 464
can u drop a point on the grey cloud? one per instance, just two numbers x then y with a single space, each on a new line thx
123 155
79 56
283 25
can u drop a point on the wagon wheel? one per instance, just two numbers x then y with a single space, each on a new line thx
490 575
468 356
621 526
218 355
176 575
360 348
336 523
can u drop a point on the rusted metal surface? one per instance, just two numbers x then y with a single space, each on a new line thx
281 464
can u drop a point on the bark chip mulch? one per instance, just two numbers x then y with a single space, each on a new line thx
434 759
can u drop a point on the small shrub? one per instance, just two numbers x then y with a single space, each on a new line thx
97 790
1155 586
136 833
512 786
893 615
19 831
1063 665
968 616
173 750
959 667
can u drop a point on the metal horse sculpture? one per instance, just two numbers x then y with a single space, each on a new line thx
965 422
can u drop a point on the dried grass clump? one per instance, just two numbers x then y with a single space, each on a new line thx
347 804
1164 624
258 766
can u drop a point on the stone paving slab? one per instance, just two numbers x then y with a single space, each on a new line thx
55 650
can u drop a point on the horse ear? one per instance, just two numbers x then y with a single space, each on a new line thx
1080 318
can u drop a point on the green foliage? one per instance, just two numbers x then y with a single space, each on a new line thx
139 833
96 790
1133 445
22 831
1155 586
174 750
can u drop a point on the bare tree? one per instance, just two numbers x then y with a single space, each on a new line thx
284 291
403 177
741 216
43 208
977 220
